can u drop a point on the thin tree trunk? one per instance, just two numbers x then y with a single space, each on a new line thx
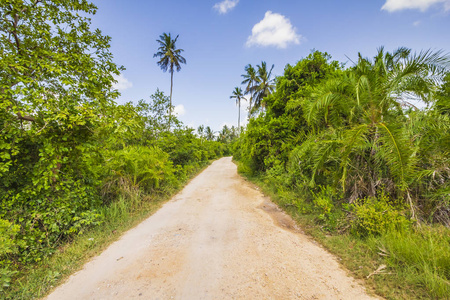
239 117
250 107
170 106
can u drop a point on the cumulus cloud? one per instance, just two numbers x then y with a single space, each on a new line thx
122 83
274 30
179 110
422 5
225 6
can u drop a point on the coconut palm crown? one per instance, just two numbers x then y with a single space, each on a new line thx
264 85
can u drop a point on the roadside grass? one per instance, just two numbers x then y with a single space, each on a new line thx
120 216
414 264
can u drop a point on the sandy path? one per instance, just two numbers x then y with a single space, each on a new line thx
217 239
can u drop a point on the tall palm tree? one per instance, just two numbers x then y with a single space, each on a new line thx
250 79
237 94
209 134
170 59
264 85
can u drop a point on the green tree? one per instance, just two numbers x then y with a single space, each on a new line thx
264 85
201 131
237 94
56 92
209 134
170 59
56 74
271 136
250 79
358 120
443 96
157 113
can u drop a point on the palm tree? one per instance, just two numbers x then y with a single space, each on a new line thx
201 131
250 79
359 120
224 134
209 134
264 85
170 59
237 94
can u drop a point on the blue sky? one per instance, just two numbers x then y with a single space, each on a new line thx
221 37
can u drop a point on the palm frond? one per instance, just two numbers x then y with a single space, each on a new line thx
395 149
354 138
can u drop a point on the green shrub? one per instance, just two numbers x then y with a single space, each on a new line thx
276 175
325 204
376 215
148 168
8 246
244 168
7 234
323 201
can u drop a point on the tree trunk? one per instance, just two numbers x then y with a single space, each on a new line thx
170 105
250 107
239 117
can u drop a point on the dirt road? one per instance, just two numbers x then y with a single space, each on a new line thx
217 239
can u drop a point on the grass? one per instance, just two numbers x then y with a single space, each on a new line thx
128 211
417 261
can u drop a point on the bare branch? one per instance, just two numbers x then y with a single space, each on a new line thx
25 118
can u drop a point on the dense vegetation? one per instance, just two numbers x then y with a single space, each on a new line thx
70 157
345 147
349 148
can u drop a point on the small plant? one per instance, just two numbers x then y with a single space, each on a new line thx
377 215
323 201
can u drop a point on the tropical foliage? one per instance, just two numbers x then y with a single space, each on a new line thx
67 150
258 84
358 129
352 145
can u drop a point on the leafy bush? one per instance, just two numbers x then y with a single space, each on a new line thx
8 246
377 215
276 175
7 234
323 201
148 168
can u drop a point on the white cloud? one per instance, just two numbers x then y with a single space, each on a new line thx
225 6
179 110
422 5
122 83
274 30
417 23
